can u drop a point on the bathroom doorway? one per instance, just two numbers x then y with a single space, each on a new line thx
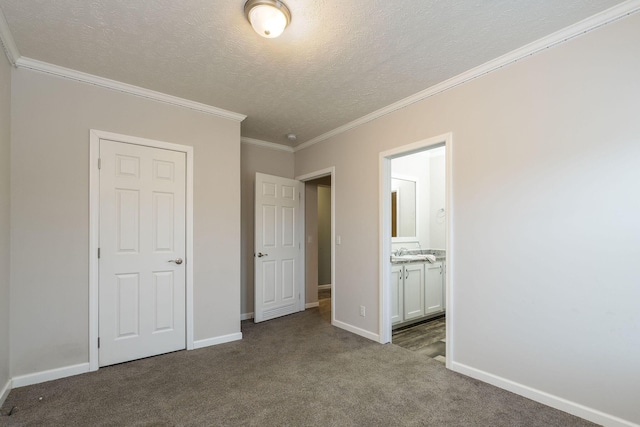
418 252
415 250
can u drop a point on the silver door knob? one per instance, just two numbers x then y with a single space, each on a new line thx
177 261
260 254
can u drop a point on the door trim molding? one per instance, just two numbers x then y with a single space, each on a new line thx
330 171
94 226
385 234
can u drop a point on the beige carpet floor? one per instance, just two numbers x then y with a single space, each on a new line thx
293 371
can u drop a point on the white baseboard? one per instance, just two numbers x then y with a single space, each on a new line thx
246 316
311 304
50 375
356 330
5 392
556 402
68 371
324 286
217 340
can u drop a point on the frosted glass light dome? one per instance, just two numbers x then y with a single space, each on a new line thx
268 18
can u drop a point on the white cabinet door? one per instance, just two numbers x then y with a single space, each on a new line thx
413 291
397 294
433 288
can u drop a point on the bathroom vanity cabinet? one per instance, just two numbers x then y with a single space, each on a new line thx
417 291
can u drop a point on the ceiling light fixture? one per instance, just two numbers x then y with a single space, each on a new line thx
268 18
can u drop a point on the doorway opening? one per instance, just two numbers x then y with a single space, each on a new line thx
415 251
319 242
318 245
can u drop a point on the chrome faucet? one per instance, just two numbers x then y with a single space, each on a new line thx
401 251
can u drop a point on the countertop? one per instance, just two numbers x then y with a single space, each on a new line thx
438 253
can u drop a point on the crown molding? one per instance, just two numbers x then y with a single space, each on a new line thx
9 45
14 57
601 19
33 64
267 144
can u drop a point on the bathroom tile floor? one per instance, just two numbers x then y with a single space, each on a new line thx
324 294
428 338
324 304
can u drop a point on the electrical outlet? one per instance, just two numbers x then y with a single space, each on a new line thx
362 311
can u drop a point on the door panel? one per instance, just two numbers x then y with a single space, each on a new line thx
128 313
269 281
164 284
163 222
288 279
288 227
142 229
127 220
278 277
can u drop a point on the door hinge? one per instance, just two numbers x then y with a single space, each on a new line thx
299 296
98 253
99 163
98 342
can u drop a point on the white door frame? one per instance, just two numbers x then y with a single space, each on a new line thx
385 234
94 226
330 171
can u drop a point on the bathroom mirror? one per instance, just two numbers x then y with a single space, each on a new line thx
403 208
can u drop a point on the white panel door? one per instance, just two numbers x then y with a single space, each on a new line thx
434 301
397 294
142 250
278 273
413 291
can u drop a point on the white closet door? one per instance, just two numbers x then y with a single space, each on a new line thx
142 250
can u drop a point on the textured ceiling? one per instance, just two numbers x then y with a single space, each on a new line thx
336 62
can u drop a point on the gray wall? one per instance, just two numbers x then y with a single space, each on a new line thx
264 160
324 235
51 118
545 217
311 241
5 226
